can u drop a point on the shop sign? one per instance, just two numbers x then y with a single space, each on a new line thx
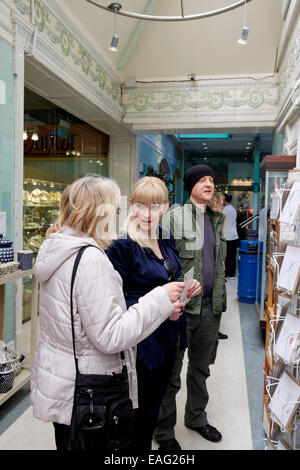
51 144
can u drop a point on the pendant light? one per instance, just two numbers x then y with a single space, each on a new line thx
245 30
115 39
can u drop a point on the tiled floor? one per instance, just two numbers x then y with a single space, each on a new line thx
235 389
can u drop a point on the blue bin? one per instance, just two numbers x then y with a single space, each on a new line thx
250 269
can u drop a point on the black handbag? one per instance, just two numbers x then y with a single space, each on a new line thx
102 415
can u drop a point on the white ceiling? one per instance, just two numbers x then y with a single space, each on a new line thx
203 47
153 50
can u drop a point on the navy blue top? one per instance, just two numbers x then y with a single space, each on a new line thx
142 271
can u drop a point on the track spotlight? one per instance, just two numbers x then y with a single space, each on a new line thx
114 43
245 31
115 39
244 35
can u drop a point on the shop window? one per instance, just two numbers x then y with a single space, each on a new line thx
58 149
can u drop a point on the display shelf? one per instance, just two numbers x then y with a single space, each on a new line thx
277 304
23 377
274 171
14 276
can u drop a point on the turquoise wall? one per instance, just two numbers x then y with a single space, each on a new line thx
7 161
277 144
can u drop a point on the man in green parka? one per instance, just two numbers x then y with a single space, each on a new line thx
197 232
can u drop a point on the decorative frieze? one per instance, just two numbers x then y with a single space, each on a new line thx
226 100
53 27
290 68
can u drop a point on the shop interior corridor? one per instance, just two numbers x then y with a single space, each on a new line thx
235 388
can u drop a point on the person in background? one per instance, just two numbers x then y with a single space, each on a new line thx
241 217
198 239
216 204
231 236
145 256
103 325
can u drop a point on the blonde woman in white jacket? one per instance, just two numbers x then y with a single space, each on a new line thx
103 325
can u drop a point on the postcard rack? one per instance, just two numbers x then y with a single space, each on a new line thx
281 395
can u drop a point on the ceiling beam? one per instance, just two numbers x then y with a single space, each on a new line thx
135 35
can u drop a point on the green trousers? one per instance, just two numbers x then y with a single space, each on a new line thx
202 336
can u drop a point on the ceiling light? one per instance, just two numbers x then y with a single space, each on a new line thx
25 135
114 43
245 30
35 137
244 35
115 39
204 137
182 17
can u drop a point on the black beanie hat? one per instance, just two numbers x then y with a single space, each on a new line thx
194 174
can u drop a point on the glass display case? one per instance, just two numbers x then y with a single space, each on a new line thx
41 208
273 171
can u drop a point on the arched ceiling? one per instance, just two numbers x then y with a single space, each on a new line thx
152 50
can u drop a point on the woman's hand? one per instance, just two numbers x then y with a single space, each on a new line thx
194 289
174 290
178 309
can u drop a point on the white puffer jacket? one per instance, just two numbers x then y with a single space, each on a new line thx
103 326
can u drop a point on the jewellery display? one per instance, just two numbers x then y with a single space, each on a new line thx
41 208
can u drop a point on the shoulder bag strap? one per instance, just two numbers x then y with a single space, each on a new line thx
75 267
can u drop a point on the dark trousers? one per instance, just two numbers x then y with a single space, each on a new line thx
230 261
62 435
202 331
152 385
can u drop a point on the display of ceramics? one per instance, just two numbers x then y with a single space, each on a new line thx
25 259
7 376
6 250
8 268
10 358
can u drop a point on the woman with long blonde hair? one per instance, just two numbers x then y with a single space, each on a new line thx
103 325
145 256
